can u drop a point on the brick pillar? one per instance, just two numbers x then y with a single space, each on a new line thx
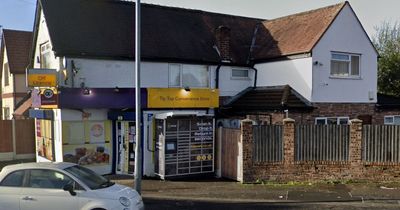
355 147
288 141
246 151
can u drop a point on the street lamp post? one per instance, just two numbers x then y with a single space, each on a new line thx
138 149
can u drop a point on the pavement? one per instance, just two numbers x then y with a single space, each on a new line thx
222 190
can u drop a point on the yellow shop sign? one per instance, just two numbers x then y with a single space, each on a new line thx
42 80
181 98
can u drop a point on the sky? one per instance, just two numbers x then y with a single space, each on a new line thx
19 14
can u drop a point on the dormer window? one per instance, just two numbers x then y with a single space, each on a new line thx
45 55
345 65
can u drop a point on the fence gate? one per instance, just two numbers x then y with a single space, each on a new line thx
229 153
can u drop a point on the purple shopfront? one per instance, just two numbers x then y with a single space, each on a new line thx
92 127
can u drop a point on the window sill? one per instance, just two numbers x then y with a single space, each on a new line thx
240 78
346 77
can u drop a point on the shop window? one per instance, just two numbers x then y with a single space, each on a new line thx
392 120
188 76
6 74
332 120
45 55
345 65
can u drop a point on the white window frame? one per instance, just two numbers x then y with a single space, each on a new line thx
181 76
391 117
349 75
326 120
6 113
239 77
44 48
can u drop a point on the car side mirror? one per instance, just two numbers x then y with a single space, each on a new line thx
70 189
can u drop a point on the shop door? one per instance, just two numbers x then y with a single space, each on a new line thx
125 149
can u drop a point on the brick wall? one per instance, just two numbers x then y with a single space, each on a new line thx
352 111
289 170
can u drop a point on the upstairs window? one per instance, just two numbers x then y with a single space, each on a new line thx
45 55
180 75
6 74
345 65
240 74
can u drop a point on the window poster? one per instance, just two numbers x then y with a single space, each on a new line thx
44 139
87 143
96 132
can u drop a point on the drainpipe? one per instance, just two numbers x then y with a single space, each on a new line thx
255 76
217 75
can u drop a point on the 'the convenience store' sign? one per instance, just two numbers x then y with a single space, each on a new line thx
180 98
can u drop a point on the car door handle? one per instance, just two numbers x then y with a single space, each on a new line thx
28 198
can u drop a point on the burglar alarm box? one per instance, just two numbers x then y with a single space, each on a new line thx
184 146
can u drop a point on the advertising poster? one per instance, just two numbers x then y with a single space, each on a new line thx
96 132
88 143
44 139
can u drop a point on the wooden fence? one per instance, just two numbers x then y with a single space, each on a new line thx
322 142
17 139
230 139
268 143
381 143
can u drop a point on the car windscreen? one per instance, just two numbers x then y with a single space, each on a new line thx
88 177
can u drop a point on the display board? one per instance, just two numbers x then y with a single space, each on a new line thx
185 146
88 143
44 139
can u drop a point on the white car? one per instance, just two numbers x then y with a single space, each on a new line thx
62 186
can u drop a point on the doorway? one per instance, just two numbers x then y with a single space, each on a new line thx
125 147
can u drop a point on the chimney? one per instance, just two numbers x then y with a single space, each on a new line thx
223 38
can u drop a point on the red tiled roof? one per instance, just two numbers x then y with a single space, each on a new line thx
17 45
294 34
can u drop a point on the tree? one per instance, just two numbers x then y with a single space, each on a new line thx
387 43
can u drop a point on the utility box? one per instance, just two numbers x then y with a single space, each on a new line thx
184 145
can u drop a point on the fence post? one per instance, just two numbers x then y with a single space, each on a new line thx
288 141
355 147
246 151
14 139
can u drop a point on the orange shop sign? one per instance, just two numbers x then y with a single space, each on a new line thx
42 80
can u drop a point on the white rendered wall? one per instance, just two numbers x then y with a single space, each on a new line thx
229 86
43 37
9 87
344 35
96 73
297 73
